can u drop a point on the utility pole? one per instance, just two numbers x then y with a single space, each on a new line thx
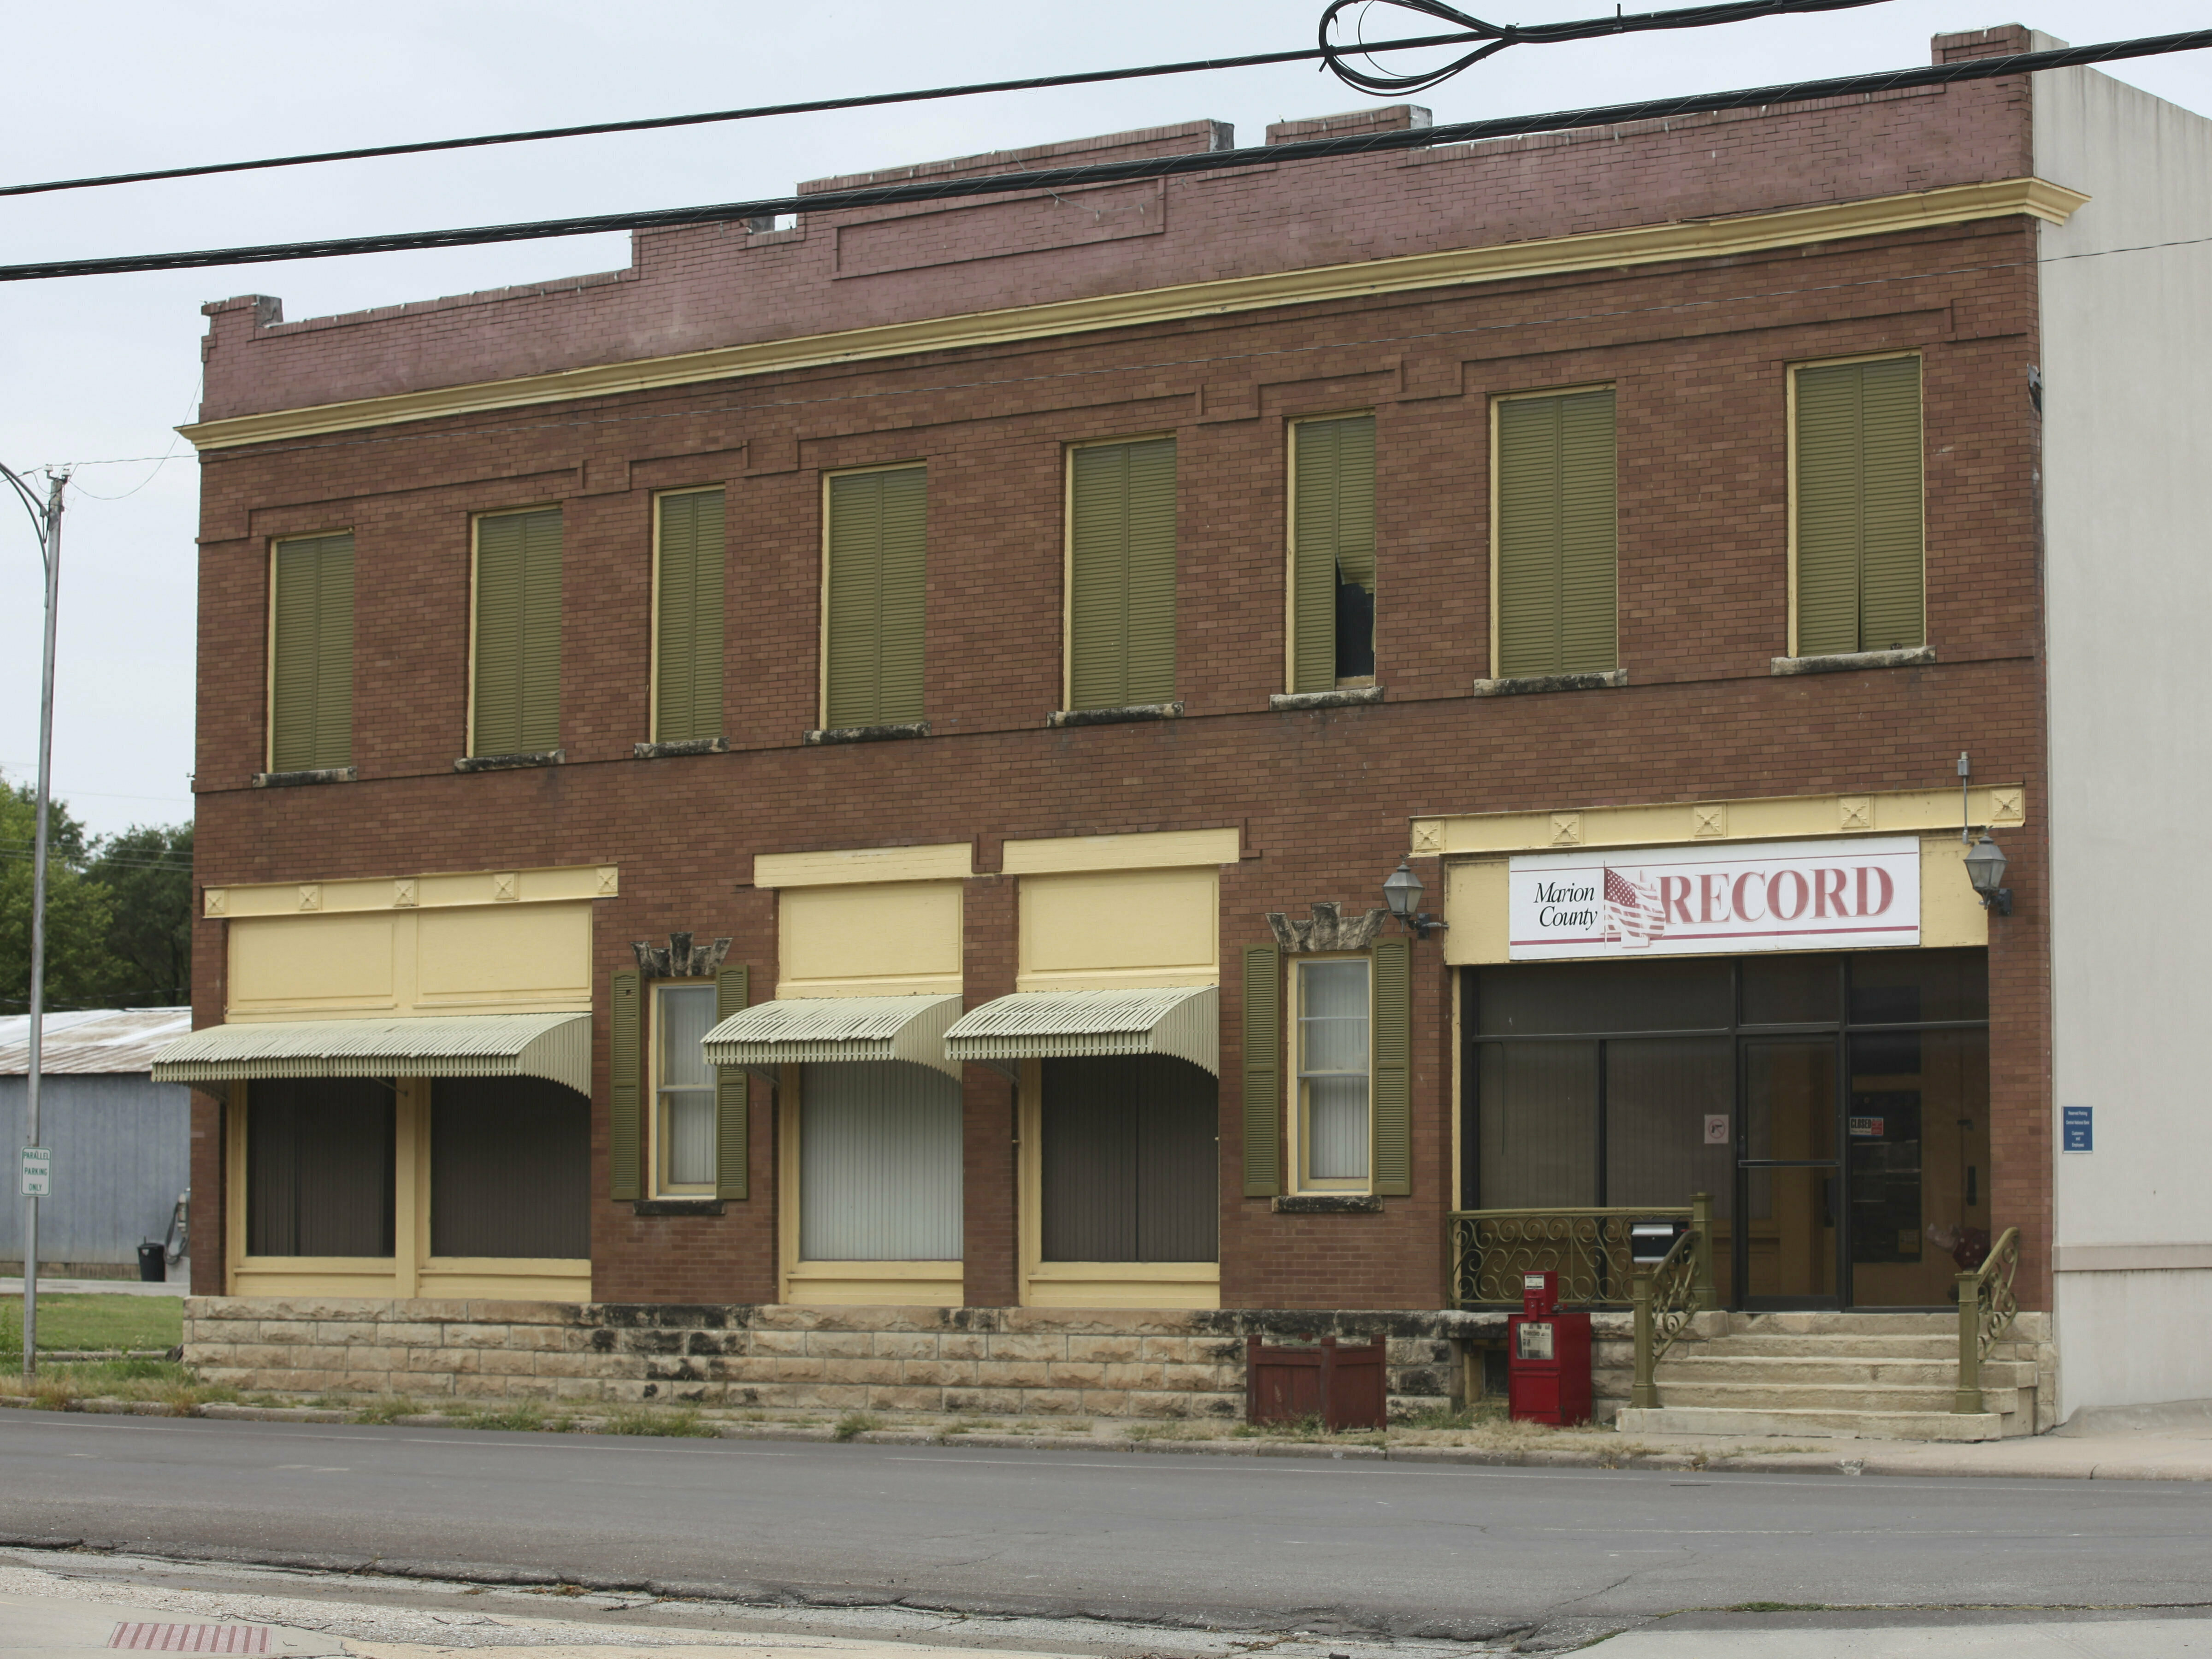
48 520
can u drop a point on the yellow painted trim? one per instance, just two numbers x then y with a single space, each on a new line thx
1771 818
410 1183
469 722
506 1279
878 1284
1164 850
789 1082
560 883
949 862
1495 608
1789 418
1029 1175
1638 244
653 635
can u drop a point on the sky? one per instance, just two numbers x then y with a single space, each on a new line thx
98 370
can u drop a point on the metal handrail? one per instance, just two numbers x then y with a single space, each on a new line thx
1666 1296
1987 1308
1587 1247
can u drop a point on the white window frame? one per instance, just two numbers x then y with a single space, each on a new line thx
1301 1136
660 1137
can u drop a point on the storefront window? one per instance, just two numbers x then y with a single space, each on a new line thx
1130 1163
319 1167
510 1169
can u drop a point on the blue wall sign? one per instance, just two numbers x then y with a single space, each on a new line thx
2075 1130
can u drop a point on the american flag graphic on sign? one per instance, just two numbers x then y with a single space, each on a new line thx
1632 912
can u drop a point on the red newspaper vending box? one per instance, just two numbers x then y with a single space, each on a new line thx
1548 1356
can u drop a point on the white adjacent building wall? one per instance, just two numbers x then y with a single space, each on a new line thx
2127 457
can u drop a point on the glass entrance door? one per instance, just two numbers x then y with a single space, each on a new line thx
1789 1175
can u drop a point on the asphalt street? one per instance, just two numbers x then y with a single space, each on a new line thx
1457 1551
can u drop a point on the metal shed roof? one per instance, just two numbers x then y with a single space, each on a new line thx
556 1047
91 1040
1183 1020
804 1030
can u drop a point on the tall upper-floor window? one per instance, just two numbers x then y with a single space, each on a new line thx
1122 573
875 547
1332 553
1857 574
687 616
1554 533
311 654
514 702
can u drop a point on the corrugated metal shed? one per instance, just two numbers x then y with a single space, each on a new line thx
1183 1021
804 1030
556 1047
91 1040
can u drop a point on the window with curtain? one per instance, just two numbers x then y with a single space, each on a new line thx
1857 494
684 1089
1554 485
1122 573
1131 1161
1334 1081
687 602
1333 552
877 545
880 1161
319 1167
515 707
510 1169
311 669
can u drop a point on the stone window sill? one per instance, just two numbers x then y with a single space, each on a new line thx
666 1206
294 780
1344 697
1610 680
1327 1204
1121 716
1845 662
684 746
510 762
868 734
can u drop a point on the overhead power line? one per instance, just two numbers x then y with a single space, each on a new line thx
1471 30
1973 69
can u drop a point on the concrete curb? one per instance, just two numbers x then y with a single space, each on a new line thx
2063 1460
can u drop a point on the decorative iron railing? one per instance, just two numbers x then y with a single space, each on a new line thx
1666 1296
1588 1248
1987 1307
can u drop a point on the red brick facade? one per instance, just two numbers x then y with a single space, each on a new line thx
1696 350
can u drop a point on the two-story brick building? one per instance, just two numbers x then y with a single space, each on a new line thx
840 779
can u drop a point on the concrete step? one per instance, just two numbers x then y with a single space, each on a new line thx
1722 1364
1805 1423
1843 1397
1844 1324
1880 1347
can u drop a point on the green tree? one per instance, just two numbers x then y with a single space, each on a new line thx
146 872
79 913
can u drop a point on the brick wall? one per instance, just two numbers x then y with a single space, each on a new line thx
1698 354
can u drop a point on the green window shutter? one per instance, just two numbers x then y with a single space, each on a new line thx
878 566
1557 535
1333 536
1263 1074
625 1172
311 693
687 643
518 669
1393 1051
1858 481
732 1141
1122 555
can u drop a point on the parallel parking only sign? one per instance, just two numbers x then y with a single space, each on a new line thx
1696 900
37 1171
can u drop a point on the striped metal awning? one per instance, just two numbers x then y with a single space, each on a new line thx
1183 1020
810 1030
555 1046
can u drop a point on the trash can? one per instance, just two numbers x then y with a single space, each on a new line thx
153 1264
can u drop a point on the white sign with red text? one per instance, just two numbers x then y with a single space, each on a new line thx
1693 901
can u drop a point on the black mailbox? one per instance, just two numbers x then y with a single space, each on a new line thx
1649 1240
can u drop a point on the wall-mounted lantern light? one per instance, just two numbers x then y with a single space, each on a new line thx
1401 892
1985 868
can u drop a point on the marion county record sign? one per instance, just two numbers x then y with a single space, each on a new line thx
1694 901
